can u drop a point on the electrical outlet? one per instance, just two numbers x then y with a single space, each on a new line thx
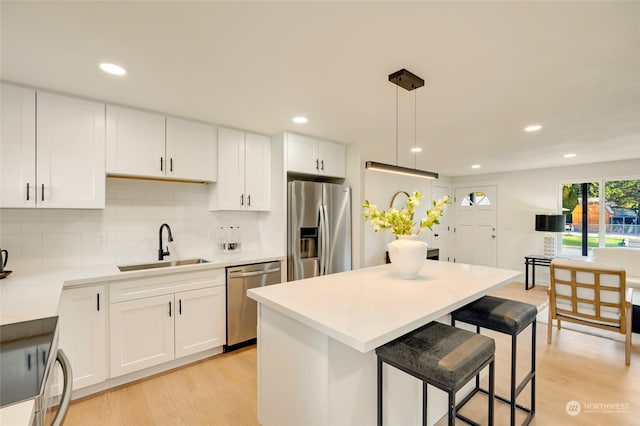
102 238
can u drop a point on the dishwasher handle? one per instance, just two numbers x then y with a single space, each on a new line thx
237 274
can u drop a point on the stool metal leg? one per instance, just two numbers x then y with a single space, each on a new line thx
452 408
424 403
533 367
492 390
379 392
514 351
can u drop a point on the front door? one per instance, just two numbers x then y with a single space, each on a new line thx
475 230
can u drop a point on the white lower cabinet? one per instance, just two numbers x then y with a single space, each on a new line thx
161 324
83 334
200 321
141 334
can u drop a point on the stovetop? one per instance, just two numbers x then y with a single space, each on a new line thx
24 353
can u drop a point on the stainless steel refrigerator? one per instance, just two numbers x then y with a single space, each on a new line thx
319 234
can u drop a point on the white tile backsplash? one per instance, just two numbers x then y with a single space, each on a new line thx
134 211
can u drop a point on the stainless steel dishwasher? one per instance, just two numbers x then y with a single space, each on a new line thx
242 312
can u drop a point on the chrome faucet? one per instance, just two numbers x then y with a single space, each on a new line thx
163 253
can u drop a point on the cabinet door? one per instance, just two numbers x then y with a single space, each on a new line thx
200 320
257 154
332 159
229 190
70 153
83 333
191 150
17 146
135 142
141 333
302 154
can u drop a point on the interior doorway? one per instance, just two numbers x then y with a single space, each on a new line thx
440 235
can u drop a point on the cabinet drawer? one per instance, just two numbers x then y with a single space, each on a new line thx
169 283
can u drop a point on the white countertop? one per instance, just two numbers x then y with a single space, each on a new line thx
28 295
369 307
17 414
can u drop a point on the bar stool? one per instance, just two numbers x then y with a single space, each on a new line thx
442 356
508 317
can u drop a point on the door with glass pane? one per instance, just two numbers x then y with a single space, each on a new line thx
476 231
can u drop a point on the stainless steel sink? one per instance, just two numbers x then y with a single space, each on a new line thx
126 268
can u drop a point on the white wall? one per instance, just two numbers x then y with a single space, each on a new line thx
135 209
379 189
523 194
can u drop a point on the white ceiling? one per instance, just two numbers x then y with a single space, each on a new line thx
491 68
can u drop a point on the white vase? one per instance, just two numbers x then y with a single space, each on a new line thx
407 255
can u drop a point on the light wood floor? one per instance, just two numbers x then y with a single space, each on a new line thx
221 391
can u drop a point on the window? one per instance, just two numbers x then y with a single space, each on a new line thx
610 218
477 198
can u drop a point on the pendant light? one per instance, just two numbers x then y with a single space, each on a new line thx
408 81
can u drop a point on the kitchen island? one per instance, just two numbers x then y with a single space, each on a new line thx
317 340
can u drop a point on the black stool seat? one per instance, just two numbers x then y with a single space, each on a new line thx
503 315
442 356
439 353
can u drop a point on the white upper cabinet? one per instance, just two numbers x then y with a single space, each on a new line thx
244 172
257 172
146 144
67 159
18 147
332 159
191 150
135 142
315 157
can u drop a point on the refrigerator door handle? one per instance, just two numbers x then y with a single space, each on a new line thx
327 232
321 241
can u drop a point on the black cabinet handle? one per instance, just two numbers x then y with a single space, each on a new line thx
322 165
161 164
249 200
169 308
180 306
43 192
27 191
317 166
98 301
171 165
44 357
242 200
28 361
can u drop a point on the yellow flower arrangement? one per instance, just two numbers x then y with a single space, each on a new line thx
400 221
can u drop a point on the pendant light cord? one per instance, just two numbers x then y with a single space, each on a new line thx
415 131
396 125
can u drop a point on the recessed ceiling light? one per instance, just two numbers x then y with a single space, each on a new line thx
416 149
300 120
112 69
570 155
533 128
475 166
